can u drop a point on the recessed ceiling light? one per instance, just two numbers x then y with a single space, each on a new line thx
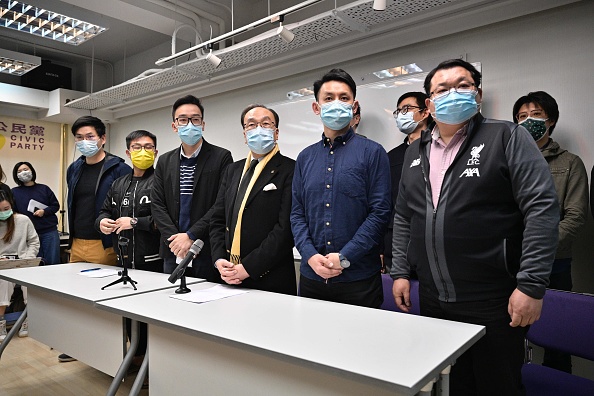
40 22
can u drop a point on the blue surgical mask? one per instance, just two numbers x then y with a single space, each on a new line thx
536 126
88 148
190 134
406 123
336 115
260 140
456 107
5 214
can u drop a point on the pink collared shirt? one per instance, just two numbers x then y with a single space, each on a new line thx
441 156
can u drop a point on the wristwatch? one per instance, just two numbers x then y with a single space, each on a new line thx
133 222
344 263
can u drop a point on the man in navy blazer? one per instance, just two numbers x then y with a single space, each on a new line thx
250 233
185 189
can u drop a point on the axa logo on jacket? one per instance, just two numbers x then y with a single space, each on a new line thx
475 155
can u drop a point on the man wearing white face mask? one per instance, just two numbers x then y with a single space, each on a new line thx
250 232
186 185
341 202
477 218
538 113
412 117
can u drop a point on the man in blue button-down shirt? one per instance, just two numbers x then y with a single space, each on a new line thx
341 202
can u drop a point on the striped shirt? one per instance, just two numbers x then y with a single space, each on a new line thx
186 188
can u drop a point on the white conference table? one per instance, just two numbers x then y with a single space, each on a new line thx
262 343
61 311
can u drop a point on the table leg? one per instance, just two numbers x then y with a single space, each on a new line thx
119 377
427 389
15 329
443 384
137 386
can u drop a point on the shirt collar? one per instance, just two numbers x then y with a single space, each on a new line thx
436 135
193 155
342 139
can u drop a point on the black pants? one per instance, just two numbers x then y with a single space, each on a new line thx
366 293
493 365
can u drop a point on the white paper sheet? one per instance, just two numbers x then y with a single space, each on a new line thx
211 294
35 204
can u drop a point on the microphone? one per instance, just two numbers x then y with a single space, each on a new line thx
181 267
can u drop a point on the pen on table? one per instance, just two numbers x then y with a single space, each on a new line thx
90 269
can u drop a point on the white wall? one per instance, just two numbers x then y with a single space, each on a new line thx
551 51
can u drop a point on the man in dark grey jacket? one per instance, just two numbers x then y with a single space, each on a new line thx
477 217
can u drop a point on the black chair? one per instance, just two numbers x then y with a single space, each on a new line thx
566 324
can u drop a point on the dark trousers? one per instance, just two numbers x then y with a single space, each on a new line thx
493 365
365 293
552 358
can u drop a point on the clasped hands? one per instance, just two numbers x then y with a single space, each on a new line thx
107 226
231 273
327 266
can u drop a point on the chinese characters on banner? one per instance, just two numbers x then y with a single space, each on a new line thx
37 142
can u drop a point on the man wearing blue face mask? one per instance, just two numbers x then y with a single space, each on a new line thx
538 113
250 232
341 202
89 179
477 217
412 117
185 188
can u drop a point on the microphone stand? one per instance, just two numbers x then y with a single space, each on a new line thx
123 247
183 288
180 271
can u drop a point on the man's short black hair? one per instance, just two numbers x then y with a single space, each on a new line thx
137 135
91 121
15 172
335 75
254 106
420 99
545 101
449 64
188 99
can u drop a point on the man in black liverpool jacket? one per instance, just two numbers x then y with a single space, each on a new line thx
477 217
186 185
126 213
252 243
126 210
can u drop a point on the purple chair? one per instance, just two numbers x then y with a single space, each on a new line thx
566 324
389 303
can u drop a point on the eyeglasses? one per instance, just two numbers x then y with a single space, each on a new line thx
138 147
88 136
405 109
463 87
264 124
538 113
183 121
